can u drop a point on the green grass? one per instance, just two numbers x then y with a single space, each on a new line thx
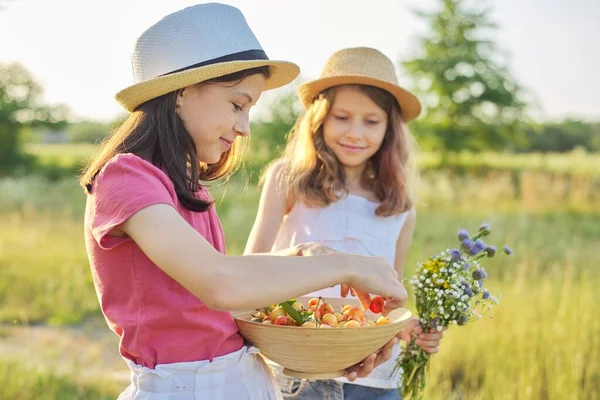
23 383
542 342
62 154
575 163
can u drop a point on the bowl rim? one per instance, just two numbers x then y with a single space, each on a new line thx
402 319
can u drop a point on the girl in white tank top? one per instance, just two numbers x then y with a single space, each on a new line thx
345 181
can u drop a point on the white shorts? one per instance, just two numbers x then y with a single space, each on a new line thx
241 375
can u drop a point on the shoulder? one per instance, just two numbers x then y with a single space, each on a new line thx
128 171
409 218
276 181
274 176
276 170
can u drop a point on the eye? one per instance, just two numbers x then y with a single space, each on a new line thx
237 107
373 122
340 117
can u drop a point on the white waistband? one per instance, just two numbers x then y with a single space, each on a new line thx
238 375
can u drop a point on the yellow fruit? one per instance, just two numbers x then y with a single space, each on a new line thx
382 321
277 312
351 324
329 319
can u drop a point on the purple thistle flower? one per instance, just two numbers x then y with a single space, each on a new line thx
477 247
455 254
463 320
484 227
467 290
491 251
507 250
435 322
478 275
466 266
463 234
466 244
486 295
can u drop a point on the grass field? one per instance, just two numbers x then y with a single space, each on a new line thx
543 341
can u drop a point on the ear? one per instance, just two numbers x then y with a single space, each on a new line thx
179 97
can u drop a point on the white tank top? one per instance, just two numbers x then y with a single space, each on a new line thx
350 226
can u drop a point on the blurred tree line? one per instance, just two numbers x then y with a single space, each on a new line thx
471 101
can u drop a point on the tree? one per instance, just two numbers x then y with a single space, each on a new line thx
566 135
470 99
269 134
20 109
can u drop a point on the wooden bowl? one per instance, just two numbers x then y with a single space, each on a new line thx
317 353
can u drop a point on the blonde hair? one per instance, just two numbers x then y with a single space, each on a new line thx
311 173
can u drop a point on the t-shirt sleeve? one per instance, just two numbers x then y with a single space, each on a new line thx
126 185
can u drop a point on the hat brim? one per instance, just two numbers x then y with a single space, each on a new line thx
410 106
282 73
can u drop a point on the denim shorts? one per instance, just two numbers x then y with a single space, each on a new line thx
333 390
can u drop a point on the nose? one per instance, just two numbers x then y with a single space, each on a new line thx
242 126
355 131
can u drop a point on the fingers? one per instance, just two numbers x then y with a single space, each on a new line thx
364 298
367 366
351 376
345 290
362 369
430 350
398 292
430 342
390 305
413 328
385 352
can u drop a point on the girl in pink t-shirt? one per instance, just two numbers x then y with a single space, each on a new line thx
153 238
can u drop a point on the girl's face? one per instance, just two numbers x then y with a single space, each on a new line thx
355 127
215 114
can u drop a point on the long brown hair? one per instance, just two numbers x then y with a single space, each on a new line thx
155 133
311 172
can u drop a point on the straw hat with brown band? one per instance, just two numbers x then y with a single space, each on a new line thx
364 66
193 45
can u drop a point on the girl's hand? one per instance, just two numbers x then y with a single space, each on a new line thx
366 366
429 341
312 249
372 275
375 275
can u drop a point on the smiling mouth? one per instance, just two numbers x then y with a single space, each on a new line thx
353 148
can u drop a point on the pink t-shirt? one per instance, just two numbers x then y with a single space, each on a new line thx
158 320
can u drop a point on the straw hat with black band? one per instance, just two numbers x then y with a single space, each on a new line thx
364 66
193 45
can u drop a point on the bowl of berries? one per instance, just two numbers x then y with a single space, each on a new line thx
318 338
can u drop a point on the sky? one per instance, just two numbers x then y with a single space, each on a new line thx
79 51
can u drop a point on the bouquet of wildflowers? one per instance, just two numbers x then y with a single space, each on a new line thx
449 290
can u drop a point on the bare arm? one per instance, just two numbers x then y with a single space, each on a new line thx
271 210
245 282
404 241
